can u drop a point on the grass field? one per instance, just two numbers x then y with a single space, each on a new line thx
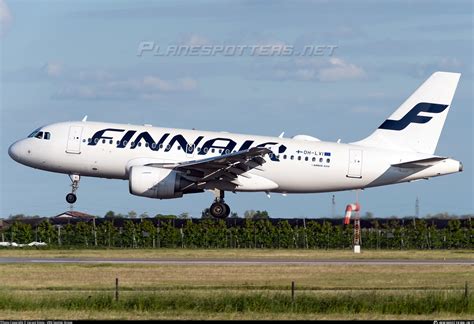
166 291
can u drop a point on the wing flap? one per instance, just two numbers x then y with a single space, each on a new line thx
222 168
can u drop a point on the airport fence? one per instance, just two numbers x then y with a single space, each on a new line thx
242 233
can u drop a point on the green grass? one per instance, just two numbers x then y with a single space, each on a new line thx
306 303
241 291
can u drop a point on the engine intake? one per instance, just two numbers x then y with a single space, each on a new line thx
155 182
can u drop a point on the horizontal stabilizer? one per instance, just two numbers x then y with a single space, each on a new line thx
422 163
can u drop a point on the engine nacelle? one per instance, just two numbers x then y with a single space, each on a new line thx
154 182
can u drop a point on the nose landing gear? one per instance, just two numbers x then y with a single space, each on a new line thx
219 209
71 197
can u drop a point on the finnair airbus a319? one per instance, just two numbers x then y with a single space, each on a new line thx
167 163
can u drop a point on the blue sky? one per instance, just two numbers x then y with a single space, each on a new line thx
61 60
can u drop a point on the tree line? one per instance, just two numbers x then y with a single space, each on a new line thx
249 233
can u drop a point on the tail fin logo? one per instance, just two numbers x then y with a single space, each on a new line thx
412 116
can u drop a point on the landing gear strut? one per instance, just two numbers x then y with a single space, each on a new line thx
219 209
71 197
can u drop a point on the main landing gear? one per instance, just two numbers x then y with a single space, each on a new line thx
71 197
219 209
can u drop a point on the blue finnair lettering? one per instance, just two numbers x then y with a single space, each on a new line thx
226 145
412 116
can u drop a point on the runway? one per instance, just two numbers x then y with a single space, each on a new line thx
171 261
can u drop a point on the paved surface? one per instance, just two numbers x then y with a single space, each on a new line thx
241 261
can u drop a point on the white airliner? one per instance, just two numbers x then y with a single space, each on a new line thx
167 163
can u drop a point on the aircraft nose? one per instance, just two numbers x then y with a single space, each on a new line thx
16 151
13 151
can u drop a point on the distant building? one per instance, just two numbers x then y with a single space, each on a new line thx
74 215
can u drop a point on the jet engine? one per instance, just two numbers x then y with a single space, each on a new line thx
155 182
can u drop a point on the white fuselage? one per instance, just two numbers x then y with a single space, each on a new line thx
301 165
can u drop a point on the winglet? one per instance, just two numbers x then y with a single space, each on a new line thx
85 118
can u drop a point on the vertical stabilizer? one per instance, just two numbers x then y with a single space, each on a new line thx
417 124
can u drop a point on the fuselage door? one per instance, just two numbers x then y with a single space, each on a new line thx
74 140
355 164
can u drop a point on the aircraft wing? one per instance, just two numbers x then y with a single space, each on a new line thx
422 163
225 167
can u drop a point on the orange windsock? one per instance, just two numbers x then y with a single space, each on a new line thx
349 209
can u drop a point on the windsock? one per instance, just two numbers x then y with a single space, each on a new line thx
349 209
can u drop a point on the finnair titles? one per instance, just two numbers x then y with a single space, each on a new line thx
168 163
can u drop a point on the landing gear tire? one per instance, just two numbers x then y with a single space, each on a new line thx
219 210
71 198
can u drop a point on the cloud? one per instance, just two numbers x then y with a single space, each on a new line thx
317 69
422 69
344 32
155 83
194 40
53 69
102 84
106 86
448 64
338 69
364 109
5 17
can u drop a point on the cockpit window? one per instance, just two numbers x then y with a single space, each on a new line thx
40 135
35 132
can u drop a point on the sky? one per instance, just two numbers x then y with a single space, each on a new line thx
61 60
